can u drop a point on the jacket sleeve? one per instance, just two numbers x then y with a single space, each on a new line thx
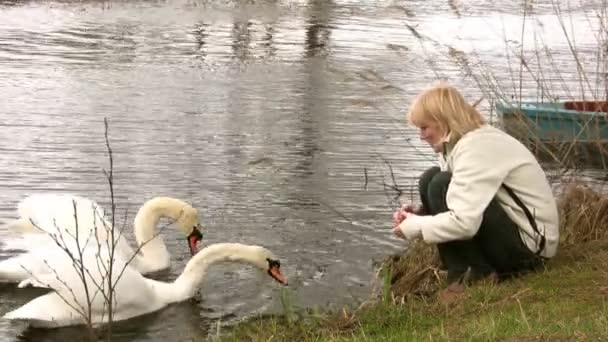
478 170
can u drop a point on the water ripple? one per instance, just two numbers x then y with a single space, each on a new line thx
278 120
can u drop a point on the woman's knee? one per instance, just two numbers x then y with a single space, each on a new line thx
426 177
440 181
437 190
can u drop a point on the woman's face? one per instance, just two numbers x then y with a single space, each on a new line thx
431 133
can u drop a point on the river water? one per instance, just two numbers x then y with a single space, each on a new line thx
277 119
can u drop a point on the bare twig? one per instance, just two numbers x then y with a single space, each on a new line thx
110 178
101 281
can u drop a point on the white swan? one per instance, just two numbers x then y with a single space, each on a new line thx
47 219
135 295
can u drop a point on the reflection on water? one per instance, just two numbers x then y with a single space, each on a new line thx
278 119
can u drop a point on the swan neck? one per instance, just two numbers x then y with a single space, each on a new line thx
150 214
154 253
188 283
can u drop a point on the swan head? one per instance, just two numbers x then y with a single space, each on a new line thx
266 261
189 224
184 215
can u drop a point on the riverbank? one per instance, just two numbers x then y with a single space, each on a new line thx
566 301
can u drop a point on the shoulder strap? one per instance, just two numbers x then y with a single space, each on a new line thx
531 219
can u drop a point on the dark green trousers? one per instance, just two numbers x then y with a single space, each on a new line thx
497 246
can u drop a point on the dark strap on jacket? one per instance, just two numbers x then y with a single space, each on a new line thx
531 219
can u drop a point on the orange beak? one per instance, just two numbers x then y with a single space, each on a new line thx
275 272
193 244
193 239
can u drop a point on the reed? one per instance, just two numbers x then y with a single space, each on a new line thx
540 74
564 302
583 214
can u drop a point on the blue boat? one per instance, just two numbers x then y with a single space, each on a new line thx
575 131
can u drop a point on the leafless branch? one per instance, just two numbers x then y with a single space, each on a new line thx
77 247
138 249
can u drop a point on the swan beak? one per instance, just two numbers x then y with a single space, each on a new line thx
193 239
275 272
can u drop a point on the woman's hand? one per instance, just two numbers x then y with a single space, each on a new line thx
401 214
397 231
398 216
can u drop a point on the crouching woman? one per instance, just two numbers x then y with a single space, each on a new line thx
489 209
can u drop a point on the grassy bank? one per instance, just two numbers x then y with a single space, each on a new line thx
567 301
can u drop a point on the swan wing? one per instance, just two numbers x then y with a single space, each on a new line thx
49 310
20 225
133 294
71 299
24 242
36 262
71 222
21 267
55 207
55 215
65 218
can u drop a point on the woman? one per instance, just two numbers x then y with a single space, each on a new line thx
489 209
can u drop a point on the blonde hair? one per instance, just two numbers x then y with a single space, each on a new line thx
445 105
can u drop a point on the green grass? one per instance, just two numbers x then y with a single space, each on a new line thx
564 302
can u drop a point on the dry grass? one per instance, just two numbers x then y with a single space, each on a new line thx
583 210
583 214
414 273
565 302
561 303
583 218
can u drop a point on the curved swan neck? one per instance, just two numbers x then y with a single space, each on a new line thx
154 254
186 285
151 212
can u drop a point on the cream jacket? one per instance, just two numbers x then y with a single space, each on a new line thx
480 162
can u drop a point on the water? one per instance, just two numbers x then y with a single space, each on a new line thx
277 119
